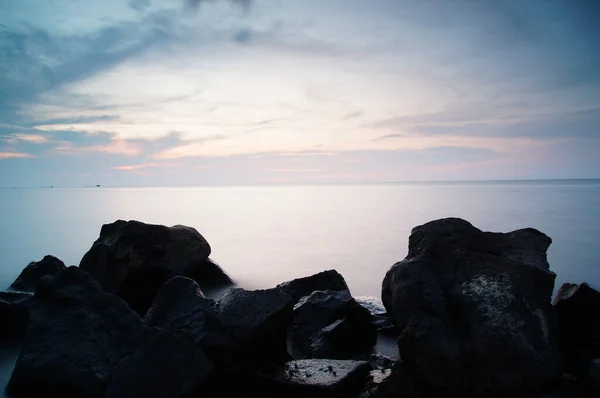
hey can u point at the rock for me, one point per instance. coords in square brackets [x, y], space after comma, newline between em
[181, 308]
[578, 311]
[14, 312]
[134, 260]
[326, 280]
[474, 309]
[315, 378]
[381, 319]
[76, 335]
[331, 324]
[163, 367]
[594, 372]
[394, 382]
[35, 270]
[257, 322]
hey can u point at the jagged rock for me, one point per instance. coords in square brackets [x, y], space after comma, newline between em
[381, 319]
[474, 309]
[182, 308]
[134, 260]
[394, 382]
[14, 312]
[256, 321]
[578, 311]
[163, 367]
[314, 378]
[331, 324]
[326, 280]
[75, 337]
[35, 270]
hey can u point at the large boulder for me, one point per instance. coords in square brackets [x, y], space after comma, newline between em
[14, 312]
[381, 319]
[326, 280]
[257, 322]
[164, 366]
[578, 311]
[182, 308]
[314, 378]
[331, 324]
[474, 309]
[76, 335]
[134, 260]
[31, 275]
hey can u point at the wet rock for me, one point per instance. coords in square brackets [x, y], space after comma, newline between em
[76, 335]
[315, 378]
[134, 260]
[578, 311]
[181, 308]
[381, 319]
[256, 321]
[163, 367]
[326, 280]
[31, 275]
[394, 382]
[14, 312]
[331, 324]
[474, 309]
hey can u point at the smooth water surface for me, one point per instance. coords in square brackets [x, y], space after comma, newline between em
[263, 235]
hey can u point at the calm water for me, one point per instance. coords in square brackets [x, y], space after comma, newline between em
[263, 235]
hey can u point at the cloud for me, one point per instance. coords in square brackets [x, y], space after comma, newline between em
[143, 166]
[115, 147]
[391, 136]
[15, 155]
[194, 5]
[30, 138]
[139, 5]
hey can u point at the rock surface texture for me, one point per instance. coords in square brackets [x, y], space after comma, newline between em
[134, 260]
[75, 336]
[331, 324]
[473, 309]
[29, 278]
[326, 280]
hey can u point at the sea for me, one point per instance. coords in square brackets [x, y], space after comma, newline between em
[266, 234]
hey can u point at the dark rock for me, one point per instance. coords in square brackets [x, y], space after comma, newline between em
[14, 312]
[314, 378]
[381, 319]
[331, 324]
[594, 372]
[578, 311]
[394, 382]
[163, 367]
[474, 309]
[256, 321]
[326, 280]
[35, 270]
[134, 260]
[75, 337]
[182, 308]
[379, 361]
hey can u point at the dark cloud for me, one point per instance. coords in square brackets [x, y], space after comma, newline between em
[194, 5]
[139, 5]
[243, 36]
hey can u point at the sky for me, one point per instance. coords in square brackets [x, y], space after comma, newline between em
[194, 92]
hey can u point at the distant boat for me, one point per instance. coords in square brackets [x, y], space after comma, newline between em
[51, 186]
[97, 185]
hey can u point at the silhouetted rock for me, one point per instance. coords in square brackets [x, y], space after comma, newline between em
[331, 324]
[182, 308]
[256, 321]
[134, 260]
[474, 309]
[578, 311]
[314, 378]
[75, 337]
[163, 367]
[14, 312]
[35, 270]
[326, 280]
[394, 382]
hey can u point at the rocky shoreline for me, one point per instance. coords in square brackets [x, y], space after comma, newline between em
[472, 313]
